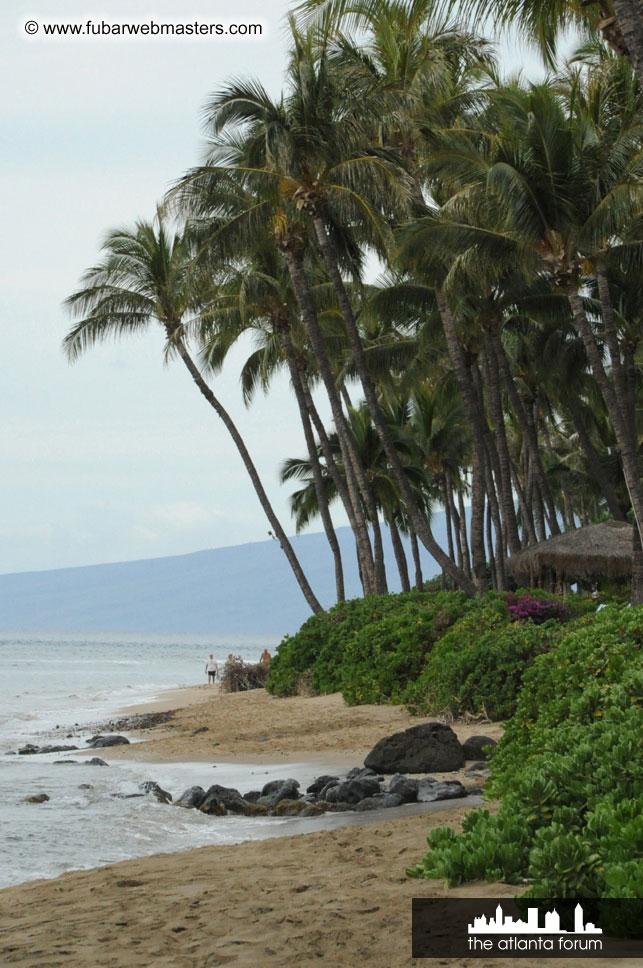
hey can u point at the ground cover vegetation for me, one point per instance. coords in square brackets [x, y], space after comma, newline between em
[492, 368]
[569, 772]
[437, 652]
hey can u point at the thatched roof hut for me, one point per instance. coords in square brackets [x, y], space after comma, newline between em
[596, 552]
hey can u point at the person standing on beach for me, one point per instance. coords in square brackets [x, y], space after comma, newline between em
[212, 669]
[265, 656]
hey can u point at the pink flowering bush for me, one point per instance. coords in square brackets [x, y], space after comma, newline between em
[525, 608]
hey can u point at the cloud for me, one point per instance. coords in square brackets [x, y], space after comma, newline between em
[185, 515]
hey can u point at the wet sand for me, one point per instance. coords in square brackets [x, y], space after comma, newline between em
[337, 897]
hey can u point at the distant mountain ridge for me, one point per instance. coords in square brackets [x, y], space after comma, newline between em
[244, 589]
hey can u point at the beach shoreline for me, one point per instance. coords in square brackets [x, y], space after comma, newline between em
[336, 897]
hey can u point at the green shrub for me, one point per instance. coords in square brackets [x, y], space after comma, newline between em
[319, 645]
[570, 771]
[478, 665]
[381, 658]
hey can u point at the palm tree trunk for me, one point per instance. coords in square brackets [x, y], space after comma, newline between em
[448, 519]
[495, 405]
[464, 380]
[492, 478]
[338, 479]
[611, 338]
[592, 458]
[417, 564]
[457, 525]
[400, 557]
[630, 19]
[525, 510]
[375, 566]
[530, 438]
[637, 568]
[309, 316]
[252, 472]
[318, 480]
[615, 407]
[420, 525]
[463, 534]
[490, 553]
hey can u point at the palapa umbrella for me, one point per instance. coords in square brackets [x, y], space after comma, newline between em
[593, 553]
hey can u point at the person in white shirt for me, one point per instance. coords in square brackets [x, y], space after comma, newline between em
[212, 669]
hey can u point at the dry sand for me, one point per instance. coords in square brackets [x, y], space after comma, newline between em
[335, 898]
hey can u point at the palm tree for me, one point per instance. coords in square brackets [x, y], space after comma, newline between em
[542, 21]
[148, 275]
[307, 153]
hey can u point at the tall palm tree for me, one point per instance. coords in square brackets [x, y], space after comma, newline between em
[147, 275]
[255, 296]
[308, 153]
[542, 21]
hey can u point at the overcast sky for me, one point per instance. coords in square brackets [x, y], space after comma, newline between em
[116, 457]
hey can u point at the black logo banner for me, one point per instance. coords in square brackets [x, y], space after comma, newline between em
[527, 928]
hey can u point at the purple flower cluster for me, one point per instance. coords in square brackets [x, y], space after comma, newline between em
[525, 608]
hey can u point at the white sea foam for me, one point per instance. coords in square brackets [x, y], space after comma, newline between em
[52, 683]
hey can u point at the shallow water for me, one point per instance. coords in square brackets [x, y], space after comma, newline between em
[52, 684]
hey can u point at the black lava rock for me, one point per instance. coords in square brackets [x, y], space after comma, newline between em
[429, 746]
[473, 748]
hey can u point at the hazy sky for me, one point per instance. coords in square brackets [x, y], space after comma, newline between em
[116, 457]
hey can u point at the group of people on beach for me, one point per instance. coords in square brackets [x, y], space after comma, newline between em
[212, 666]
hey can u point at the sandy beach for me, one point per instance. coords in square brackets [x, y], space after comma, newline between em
[337, 897]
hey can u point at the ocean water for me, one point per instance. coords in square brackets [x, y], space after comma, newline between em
[51, 684]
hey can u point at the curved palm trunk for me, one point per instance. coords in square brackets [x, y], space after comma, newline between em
[630, 19]
[593, 459]
[344, 431]
[417, 564]
[525, 510]
[466, 387]
[421, 526]
[309, 317]
[504, 459]
[448, 520]
[457, 525]
[463, 534]
[492, 479]
[324, 510]
[400, 557]
[530, 438]
[616, 408]
[611, 338]
[252, 473]
[337, 477]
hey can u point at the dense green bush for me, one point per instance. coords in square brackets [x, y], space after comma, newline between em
[383, 657]
[318, 647]
[570, 772]
[478, 665]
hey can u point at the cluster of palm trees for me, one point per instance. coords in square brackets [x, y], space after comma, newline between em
[497, 356]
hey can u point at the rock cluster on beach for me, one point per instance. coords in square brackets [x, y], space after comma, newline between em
[429, 746]
[96, 742]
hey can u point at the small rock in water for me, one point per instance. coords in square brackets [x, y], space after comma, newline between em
[191, 798]
[37, 798]
[151, 786]
[98, 742]
[96, 761]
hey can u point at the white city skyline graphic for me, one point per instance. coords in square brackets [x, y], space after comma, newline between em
[506, 925]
